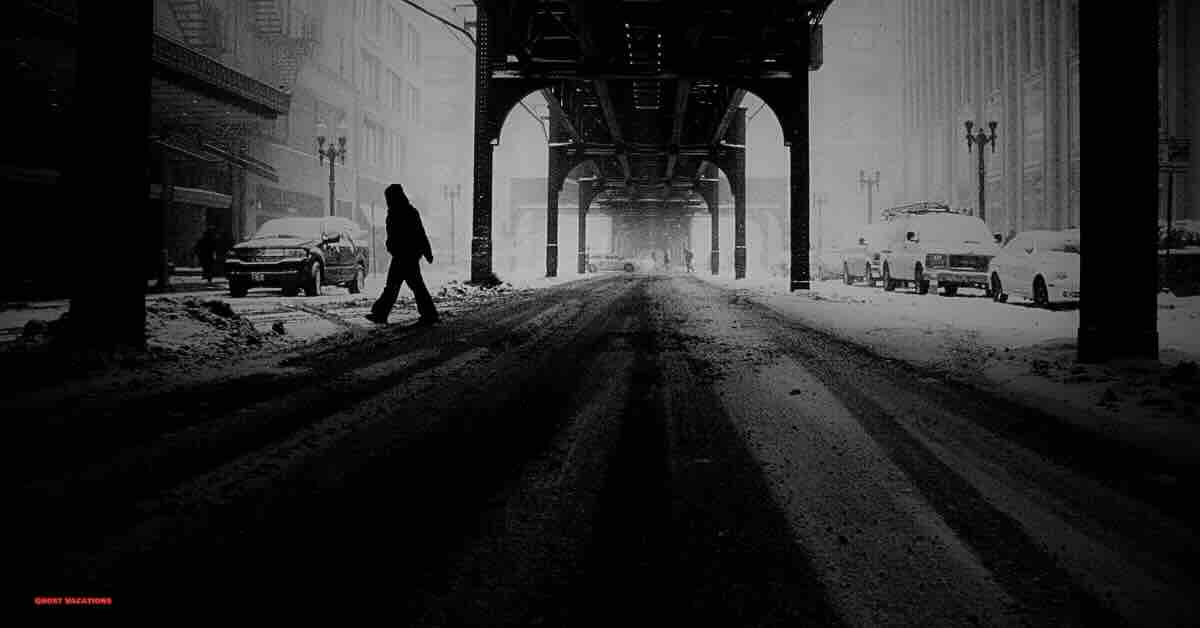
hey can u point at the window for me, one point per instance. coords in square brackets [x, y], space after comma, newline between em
[398, 146]
[372, 144]
[377, 16]
[414, 46]
[414, 104]
[397, 26]
[369, 78]
[397, 92]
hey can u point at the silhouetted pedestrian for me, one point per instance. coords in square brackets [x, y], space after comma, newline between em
[687, 258]
[205, 249]
[407, 243]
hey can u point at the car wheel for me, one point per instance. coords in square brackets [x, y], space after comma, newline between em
[629, 268]
[847, 278]
[868, 278]
[888, 284]
[238, 289]
[997, 290]
[919, 282]
[360, 280]
[1041, 296]
[949, 290]
[312, 287]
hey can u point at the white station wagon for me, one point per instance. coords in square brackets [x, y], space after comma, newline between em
[1039, 265]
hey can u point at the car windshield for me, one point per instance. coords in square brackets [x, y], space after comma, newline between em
[953, 228]
[301, 228]
[1061, 242]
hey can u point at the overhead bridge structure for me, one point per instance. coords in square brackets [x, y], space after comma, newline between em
[646, 96]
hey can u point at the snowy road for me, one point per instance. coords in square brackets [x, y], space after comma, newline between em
[643, 449]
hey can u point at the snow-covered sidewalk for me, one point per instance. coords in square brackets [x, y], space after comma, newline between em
[1018, 351]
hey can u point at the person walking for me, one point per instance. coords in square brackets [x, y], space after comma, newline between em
[687, 258]
[205, 249]
[407, 243]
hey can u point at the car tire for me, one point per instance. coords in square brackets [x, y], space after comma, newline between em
[312, 285]
[949, 291]
[1041, 296]
[920, 283]
[629, 268]
[847, 278]
[867, 277]
[357, 284]
[238, 289]
[997, 290]
[889, 284]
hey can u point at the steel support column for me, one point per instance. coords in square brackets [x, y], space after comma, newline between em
[553, 187]
[481, 218]
[1125, 327]
[713, 197]
[585, 201]
[737, 179]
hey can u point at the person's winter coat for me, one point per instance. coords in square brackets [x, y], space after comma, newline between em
[406, 236]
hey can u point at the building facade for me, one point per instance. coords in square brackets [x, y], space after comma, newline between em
[1013, 62]
[1179, 109]
[357, 69]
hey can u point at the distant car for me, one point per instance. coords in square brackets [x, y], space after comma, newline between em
[861, 256]
[1039, 265]
[945, 249]
[608, 262]
[825, 263]
[299, 253]
[1179, 257]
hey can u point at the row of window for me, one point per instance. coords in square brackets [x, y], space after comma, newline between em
[380, 16]
[381, 147]
[399, 95]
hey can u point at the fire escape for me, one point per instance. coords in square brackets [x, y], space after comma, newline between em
[293, 38]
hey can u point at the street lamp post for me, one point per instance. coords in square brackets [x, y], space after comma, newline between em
[819, 201]
[868, 183]
[332, 153]
[981, 139]
[451, 192]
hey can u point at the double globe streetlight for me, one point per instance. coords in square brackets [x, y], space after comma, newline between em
[332, 153]
[981, 139]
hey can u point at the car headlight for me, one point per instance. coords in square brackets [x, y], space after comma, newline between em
[934, 260]
[295, 252]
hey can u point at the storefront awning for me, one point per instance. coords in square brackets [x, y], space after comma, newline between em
[195, 196]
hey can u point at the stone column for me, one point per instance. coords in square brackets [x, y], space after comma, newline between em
[1053, 116]
[1192, 201]
[1014, 98]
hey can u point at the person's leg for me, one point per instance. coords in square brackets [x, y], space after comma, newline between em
[391, 289]
[416, 283]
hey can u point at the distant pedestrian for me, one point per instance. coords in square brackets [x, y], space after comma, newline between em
[687, 258]
[205, 250]
[666, 259]
[407, 243]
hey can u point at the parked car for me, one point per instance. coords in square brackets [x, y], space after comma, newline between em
[825, 263]
[940, 248]
[1038, 265]
[295, 253]
[608, 262]
[861, 258]
[1179, 257]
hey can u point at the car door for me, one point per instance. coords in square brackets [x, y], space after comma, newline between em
[335, 253]
[1022, 268]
